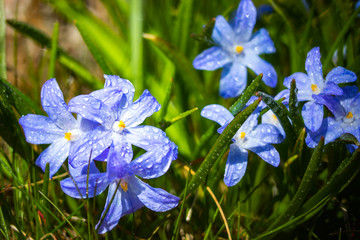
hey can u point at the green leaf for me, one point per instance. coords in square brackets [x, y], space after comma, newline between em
[281, 114]
[182, 24]
[4, 225]
[189, 74]
[294, 110]
[246, 95]
[166, 124]
[165, 104]
[340, 37]
[338, 181]
[222, 142]
[89, 41]
[64, 59]
[54, 44]
[306, 185]
[2, 41]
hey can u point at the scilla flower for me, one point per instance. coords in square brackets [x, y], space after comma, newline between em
[61, 130]
[127, 193]
[315, 91]
[346, 118]
[119, 120]
[250, 136]
[236, 49]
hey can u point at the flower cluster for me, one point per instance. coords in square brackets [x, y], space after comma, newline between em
[235, 49]
[107, 125]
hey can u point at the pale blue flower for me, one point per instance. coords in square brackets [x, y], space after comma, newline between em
[346, 118]
[315, 91]
[119, 120]
[236, 49]
[61, 130]
[250, 136]
[128, 192]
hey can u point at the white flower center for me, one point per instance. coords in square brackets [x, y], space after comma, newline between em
[118, 126]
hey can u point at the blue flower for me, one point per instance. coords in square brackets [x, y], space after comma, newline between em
[118, 118]
[61, 130]
[250, 136]
[126, 191]
[346, 118]
[237, 48]
[315, 91]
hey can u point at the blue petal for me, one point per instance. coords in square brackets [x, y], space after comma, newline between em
[86, 124]
[260, 42]
[83, 170]
[258, 65]
[312, 114]
[223, 34]
[123, 203]
[146, 137]
[120, 154]
[302, 81]
[266, 133]
[250, 123]
[244, 20]
[332, 103]
[110, 96]
[94, 183]
[348, 99]
[40, 129]
[93, 109]
[313, 67]
[268, 153]
[283, 94]
[125, 85]
[331, 88]
[233, 80]
[155, 199]
[211, 59]
[235, 165]
[217, 113]
[54, 105]
[330, 129]
[154, 163]
[270, 118]
[340, 75]
[93, 142]
[137, 112]
[351, 147]
[55, 155]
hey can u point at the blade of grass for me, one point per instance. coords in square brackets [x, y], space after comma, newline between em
[167, 124]
[177, 224]
[54, 44]
[306, 184]
[165, 105]
[89, 41]
[64, 59]
[2, 41]
[182, 24]
[4, 225]
[340, 38]
[61, 213]
[281, 114]
[246, 95]
[136, 42]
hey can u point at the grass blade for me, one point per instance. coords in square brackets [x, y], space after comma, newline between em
[54, 44]
[305, 185]
[281, 114]
[64, 58]
[246, 95]
[167, 124]
[136, 42]
[3, 225]
[2, 41]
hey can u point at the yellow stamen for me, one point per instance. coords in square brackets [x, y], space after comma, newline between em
[124, 185]
[121, 124]
[239, 49]
[274, 116]
[313, 87]
[68, 136]
[242, 134]
[349, 115]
